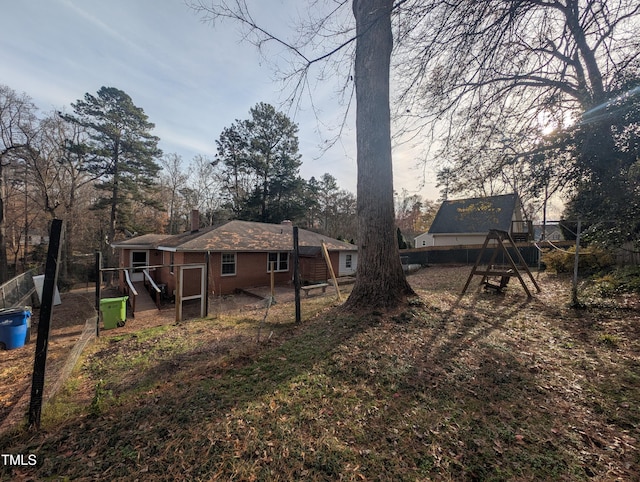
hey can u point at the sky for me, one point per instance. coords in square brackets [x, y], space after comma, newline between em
[190, 77]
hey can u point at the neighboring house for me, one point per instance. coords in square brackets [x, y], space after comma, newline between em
[553, 232]
[466, 222]
[36, 239]
[240, 254]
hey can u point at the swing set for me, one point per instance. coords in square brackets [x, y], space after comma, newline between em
[496, 276]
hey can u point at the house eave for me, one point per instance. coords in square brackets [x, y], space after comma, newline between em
[246, 250]
[133, 246]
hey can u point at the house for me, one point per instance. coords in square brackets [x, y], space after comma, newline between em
[241, 254]
[466, 222]
[552, 232]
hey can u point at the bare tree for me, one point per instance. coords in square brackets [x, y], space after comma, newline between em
[175, 179]
[17, 126]
[524, 58]
[21, 213]
[57, 166]
[472, 73]
[204, 191]
[380, 280]
[414, 214]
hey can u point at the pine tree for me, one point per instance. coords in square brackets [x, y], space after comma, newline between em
[123, 152]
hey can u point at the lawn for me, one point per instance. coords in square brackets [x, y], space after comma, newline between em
[480, 387]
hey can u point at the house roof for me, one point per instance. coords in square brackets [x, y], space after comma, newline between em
[475, 215]
[239, 236]
[145, 241]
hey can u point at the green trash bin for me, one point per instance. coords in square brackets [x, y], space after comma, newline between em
[114, 312]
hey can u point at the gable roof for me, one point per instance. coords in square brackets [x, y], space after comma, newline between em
[240, 236]
[475, 215]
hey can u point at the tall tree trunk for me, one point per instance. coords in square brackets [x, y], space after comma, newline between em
[380, 280]
[110, 257]
[4, 268]
[69, 233]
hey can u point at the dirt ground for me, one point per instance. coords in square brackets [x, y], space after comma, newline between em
[16, 366]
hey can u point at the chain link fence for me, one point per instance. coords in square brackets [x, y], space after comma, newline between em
[18, 291]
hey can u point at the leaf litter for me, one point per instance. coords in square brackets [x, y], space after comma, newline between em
[479, 387]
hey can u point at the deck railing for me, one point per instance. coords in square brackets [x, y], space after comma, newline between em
[152, 287]
[131, 291]
[522, 230]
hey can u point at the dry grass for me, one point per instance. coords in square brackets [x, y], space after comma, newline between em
[483, 387]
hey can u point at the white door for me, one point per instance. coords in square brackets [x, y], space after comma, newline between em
[348, 263]
[139, 261]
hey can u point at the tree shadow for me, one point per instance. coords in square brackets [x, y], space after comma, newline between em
[457, 383]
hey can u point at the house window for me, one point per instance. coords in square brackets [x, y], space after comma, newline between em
[228, 264]
[171, 262]
[347, 261]
[280, 260]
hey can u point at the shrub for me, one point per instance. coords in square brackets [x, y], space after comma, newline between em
[620, 280]
[592, 259]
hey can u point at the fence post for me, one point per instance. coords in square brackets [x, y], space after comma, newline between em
[296, 273]
[46, 310]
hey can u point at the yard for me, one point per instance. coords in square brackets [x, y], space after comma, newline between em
[483, 387]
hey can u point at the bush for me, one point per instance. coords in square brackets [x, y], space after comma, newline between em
[620, 280]
[592, 259]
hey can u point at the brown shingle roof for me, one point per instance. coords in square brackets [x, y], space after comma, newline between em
[145, 241]
[238, 236]
[252, 236]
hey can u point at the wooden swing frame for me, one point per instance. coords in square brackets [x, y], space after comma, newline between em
[505, 273]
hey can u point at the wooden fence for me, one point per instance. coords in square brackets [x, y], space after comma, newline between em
[628, 255]
[464, 254]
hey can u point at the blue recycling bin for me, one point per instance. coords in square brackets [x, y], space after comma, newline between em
[14, 327]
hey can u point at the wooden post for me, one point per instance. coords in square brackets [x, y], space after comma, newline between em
[574, 286]
[204, 295]
[98, 287]
[178, 294]
[333, 275]
[46, 311]
[272, 264]
[296, 273]
[478, 259]
[206, 284]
